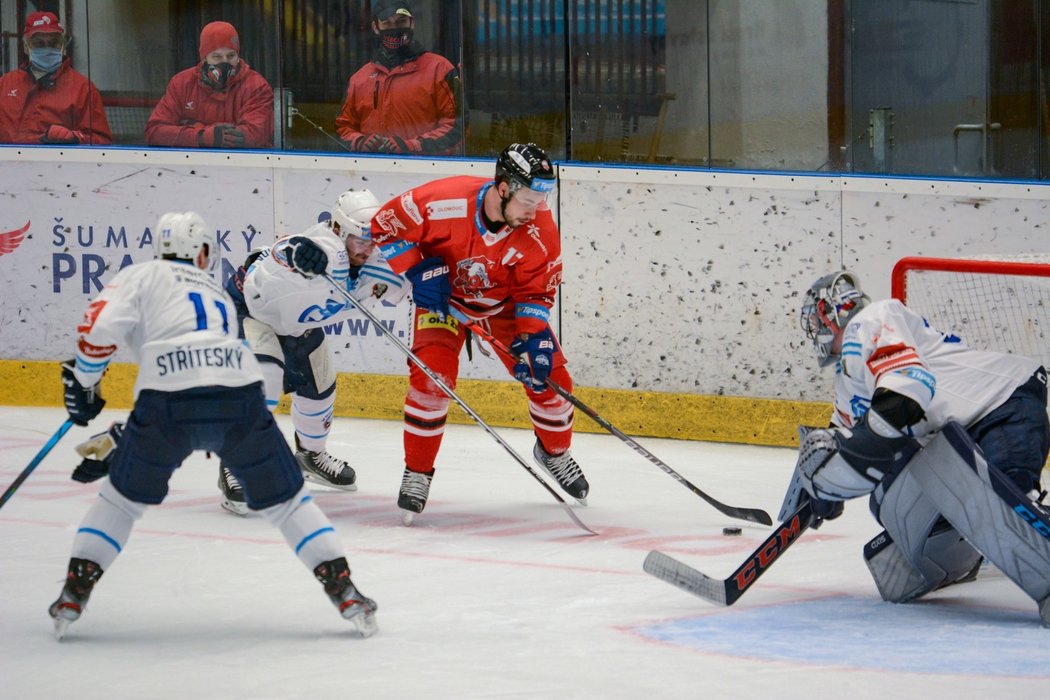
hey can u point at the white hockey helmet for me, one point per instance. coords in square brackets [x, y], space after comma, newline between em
[181, 235]
[830, 304]
[353, 212]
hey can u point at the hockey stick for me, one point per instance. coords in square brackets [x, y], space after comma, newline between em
[62, 429]
[726, 592]
[462, 404]
[754, 515]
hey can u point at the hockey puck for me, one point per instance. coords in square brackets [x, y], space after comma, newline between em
[731, 531]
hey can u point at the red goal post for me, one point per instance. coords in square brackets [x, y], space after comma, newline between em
[991, 304]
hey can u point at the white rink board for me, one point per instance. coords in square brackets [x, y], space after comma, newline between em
[675, 281]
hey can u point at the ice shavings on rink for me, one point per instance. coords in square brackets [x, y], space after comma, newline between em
[852, 632]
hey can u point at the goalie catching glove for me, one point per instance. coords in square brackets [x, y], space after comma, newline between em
[535, 355]
[98, 454]
[82, 403]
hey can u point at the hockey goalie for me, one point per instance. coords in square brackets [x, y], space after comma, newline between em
[947, 442]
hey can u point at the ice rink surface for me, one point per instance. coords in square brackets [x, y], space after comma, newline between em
[492, 593]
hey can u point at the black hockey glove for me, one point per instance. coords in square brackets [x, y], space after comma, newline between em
[98, 453]
[430, 287]
[306, 257]
[82, 403]
[535, 354]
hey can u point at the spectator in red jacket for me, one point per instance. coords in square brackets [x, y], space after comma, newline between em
[44, 100]
[405, 99]
[219, 103]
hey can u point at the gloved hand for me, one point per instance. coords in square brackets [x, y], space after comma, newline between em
[98, 454]
[535, 354]
[306, 257]
[220, 136]
[82, 403]
[56, 133]
[396, 144]
[373, 143]
[430, 286]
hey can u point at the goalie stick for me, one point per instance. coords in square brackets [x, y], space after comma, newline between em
[727, 591]
[753, 515]
[460, 402]
[62, 430]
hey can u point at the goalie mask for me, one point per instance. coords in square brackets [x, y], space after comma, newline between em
[830, 303]
[180, 236]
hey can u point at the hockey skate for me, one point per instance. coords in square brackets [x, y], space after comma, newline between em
[415, 489]
[324, 468]
[80, 579]
[564, 470]
[350, 602]
[232, 492]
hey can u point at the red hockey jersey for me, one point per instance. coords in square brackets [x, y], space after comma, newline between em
[517, 268]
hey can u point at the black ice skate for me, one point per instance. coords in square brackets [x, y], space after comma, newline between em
[232, 492]
[352, 605]
[80, 579]
[564, 470]
[323, 468]
[415, 489]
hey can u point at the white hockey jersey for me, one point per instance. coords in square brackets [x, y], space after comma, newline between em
[292, 304]
[888, 345]
[178, 323]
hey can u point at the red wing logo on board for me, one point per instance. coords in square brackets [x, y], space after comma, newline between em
[10, 240]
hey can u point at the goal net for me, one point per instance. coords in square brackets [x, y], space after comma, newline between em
[991, 304]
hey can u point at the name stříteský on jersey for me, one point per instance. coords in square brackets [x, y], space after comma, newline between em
[181, 360]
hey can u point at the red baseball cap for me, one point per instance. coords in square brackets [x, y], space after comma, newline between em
[42, 22]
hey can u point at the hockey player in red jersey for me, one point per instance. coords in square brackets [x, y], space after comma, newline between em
[488, 250]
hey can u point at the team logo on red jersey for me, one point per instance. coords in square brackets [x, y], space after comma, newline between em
[554, 269]
[10, 240]
[388, 221]
[472, 274]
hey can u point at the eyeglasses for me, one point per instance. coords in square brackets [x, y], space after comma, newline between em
[46, 40]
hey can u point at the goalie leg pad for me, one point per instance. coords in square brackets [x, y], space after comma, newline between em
[922, 548]
[987, 508]
[895, 577]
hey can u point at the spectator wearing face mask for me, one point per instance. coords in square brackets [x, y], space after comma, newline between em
[405, 99]
[219, 103]
[44, 100]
